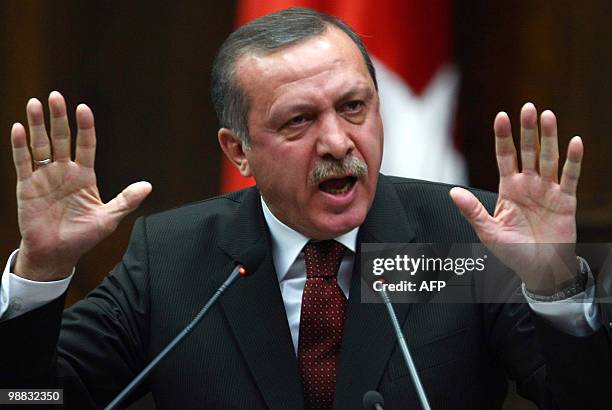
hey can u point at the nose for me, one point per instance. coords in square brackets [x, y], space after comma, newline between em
[334, 139]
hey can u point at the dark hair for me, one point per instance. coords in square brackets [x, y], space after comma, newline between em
[265, 34]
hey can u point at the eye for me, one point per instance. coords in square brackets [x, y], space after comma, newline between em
[297, 120]
[296, 125]
[354, 111]
[352, 107]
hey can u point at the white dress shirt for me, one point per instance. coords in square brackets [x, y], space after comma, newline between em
[19, 295]
[288, 257]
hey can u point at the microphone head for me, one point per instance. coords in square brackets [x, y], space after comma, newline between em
[252, 258]
[371, 399]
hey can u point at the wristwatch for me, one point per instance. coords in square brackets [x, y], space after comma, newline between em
[575, 288]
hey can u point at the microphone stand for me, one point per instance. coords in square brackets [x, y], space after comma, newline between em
[238, 271]
[405, 352]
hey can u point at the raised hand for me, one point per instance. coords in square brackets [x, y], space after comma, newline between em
[61, 215]
[533, 207]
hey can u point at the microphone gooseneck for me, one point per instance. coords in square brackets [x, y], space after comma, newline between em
[405, 352]
[248, 262]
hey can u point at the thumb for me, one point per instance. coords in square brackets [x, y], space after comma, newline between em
[472, 209]
[128, 200]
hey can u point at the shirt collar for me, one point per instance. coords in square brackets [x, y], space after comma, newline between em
[288, 243]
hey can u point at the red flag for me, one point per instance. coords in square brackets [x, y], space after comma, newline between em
[411, 45]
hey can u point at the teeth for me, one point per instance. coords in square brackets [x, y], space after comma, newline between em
[342, 190]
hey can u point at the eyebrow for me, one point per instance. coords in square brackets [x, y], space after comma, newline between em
[307, 106]
[277, 114]
[359, 88]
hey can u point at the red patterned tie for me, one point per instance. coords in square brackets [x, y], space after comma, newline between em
[321, 322]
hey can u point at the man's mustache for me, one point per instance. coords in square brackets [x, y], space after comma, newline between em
[337, 168]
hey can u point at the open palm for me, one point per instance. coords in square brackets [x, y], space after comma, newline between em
[535, 213]
[61, 215]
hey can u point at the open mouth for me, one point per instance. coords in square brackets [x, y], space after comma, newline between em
[338, 186]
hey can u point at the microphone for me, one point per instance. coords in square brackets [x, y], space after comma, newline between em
[252, 258]
[405, 352]
[373, 400]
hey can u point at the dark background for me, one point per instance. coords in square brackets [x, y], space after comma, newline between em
[143, 67]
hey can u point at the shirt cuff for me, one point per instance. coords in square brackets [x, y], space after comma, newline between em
[19, 295]
[577, 315]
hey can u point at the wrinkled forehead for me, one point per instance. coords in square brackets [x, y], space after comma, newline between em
[261, 73]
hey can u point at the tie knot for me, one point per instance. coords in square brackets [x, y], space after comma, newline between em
[323, 258]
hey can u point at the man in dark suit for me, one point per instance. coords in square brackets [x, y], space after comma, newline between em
[299, 109]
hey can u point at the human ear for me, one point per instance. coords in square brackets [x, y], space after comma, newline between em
[233, 147]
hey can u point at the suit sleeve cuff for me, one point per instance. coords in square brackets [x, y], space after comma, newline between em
[19, 295]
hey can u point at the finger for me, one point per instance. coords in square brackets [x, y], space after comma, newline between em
[530, 140]
[86, 137]
[571, 168]
[41, 149]
[124, 203]
[549, 152]
[504, 146]
[473, 210]
[21, 153]
[60, 130]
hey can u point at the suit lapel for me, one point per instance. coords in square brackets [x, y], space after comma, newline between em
[368, 339]
[256, 314]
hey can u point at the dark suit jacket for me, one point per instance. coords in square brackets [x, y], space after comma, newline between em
[241, 355]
